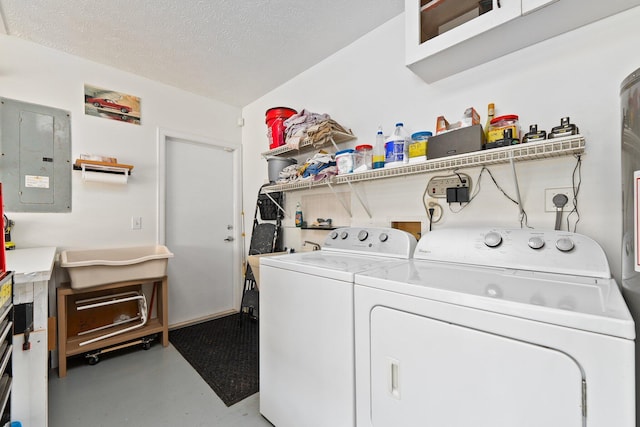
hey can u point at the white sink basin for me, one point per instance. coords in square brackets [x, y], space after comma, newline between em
[93, 267]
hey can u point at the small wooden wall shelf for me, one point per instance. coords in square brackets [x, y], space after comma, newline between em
[68, 338]
[101, 166]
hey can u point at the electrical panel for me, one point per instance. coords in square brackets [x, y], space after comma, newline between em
[35, 165]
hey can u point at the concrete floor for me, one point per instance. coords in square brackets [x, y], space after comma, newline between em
[142, 388]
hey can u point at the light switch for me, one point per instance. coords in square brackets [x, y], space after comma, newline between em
[136, 222]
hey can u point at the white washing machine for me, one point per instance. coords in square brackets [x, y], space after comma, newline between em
[307, 374]
[494, 328]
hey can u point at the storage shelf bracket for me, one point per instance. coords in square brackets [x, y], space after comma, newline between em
[362, 203]
[344, 205]
[333, 142]
[276, 203]
[515, 181]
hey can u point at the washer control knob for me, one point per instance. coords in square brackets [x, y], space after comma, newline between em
[492, 239]
[333, 235]
[537, 299]
[383, 237]
[344, 235]
[362, 235]
[567, 303]
[565, 244]
[536, 242]
[494, 291]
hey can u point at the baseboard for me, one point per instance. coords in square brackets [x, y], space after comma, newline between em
[203, 319]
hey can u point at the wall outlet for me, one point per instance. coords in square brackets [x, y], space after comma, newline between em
[437, 186]
[136, 222]
[549, 193]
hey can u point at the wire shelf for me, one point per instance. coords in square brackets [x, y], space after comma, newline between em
[308, 144]
[547, 148]
[529, 151]
[297, 185]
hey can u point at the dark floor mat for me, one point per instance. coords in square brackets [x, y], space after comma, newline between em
[224, 352]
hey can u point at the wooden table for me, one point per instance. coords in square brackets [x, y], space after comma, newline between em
[69, 343]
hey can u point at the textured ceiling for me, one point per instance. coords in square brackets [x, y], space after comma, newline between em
[231, 50]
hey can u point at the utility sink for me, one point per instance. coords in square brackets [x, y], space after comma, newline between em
[94, 267]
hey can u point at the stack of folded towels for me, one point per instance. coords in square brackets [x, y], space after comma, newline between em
[316, 128]
[312, 126]
[322, 165]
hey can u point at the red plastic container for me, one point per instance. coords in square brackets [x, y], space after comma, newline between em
[275, 118]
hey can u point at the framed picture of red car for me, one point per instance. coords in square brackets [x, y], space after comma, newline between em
[110, 104]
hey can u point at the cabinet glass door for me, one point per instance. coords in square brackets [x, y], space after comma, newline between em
[439, 16]
[448, 17]
[434, 26]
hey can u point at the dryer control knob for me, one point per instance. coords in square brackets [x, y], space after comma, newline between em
[333, 235]
[536, 242]
[565, 244]
[362, 235]
[492, 239]
[344, 235]
[383, 237]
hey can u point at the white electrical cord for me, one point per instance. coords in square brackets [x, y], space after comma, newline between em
[515, 182]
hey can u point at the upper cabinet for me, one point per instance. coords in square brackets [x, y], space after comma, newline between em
[531, 5]
[444, 37]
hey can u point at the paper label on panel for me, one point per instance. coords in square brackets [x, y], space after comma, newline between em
[33, 181]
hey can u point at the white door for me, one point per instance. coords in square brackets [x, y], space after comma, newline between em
[200, 229]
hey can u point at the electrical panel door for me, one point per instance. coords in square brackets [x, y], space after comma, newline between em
[35, 166]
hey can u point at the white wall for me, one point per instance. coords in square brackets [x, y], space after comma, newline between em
[366, 84]
[101, 213]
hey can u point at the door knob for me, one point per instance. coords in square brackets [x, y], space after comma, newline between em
[229, 239]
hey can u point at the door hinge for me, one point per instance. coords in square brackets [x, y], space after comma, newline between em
[584, 399]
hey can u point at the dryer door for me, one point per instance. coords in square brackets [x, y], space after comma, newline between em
[425, 372]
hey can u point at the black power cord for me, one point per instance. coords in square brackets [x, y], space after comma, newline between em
[576, 176]
[431, 211]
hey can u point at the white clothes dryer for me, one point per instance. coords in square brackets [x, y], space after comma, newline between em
[307, 373]
[494, 328]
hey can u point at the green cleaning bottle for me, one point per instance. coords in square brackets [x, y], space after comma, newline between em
[298, 215]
